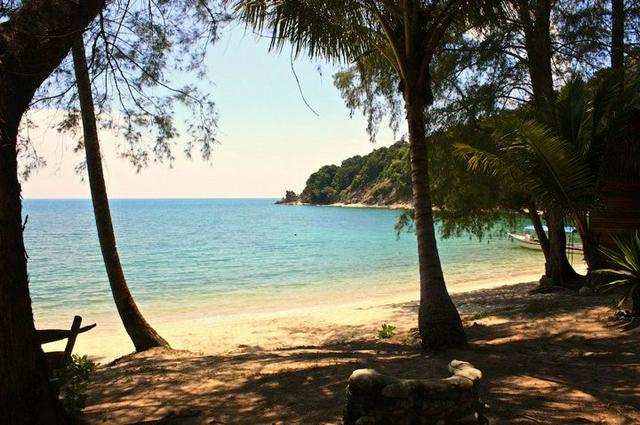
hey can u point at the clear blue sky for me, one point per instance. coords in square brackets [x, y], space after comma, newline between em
[270, 141]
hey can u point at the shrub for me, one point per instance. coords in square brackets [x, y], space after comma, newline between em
[624, 271]
[74, 379]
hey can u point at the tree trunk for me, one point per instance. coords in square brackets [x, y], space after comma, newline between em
[141, 333]
[438, 319]
[558, 267]
[25, 394]
[542, 236]
[536, 25]
[538, 46]
[33, 42]
[590, 246]
[617, 34]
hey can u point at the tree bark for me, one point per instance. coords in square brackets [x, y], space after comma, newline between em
[32, 43]
[141, 333]
[558, 268]
[538, 47]
[439, 323]
[542, 236]
[617, 34]
[590, 246]
[25, 394]
[536, 25]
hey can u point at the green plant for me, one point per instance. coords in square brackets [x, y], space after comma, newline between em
[74, 379]
[624, 270]
[386, 331]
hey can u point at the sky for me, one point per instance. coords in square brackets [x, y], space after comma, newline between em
[269, 140]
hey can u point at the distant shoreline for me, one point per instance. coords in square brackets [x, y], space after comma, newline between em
[394, 206]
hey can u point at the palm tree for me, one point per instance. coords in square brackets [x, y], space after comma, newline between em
[141, 333]
[524, 26]
[563, 165]
[549, 167]
[407, 35]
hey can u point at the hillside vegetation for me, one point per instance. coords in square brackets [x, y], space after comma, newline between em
[379, 178]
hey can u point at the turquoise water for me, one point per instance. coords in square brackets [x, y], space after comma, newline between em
[178, 253]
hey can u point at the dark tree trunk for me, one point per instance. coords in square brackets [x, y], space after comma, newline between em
[141, 333]
[32, 43]
[590, 246]
[558, 267]
[536, 28]
[617, 34]
[535, 18]
[542, 236]
[25, 393]
[438, 319]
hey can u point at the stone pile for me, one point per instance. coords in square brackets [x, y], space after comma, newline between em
[377, 399]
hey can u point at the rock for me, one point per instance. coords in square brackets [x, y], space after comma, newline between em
[368, 380]
[290, 197]
[465, 370]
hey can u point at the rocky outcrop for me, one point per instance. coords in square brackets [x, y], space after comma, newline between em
[290, 197]
[377, 399]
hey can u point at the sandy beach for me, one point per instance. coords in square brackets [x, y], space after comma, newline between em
[309, 318]
[288, 363]
[538, 353]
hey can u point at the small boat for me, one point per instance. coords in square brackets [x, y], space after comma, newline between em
[529, 241]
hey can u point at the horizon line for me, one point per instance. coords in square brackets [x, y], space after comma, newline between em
[169, 198]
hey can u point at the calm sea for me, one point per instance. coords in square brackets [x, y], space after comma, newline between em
[229, 253]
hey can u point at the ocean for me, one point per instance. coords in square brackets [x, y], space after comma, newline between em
[238, 255]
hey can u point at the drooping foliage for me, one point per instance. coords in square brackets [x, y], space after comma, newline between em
[146, 61]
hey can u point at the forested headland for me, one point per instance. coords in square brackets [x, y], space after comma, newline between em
[379, 178]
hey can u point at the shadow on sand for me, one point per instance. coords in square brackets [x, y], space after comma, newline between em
[546, 360]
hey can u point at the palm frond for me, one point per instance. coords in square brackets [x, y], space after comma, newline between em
[480, 160]
[625, 268]
[629, 250]
[615, 272]
[331, 29]
[570, 113]
[556, 172]
[610, 286]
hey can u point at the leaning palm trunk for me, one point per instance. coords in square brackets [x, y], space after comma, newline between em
[439, 323]
[141, 333]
